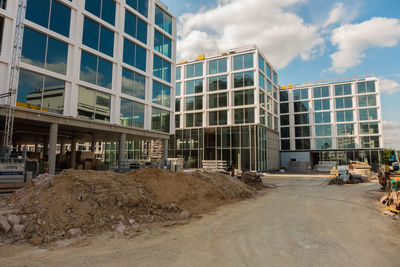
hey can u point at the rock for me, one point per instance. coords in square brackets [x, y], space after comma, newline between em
[4, 225]
[14, 219]
[75, 232]
[36, 241]
[121, 228]
[18, 230]
[184, 214]
[131, 221]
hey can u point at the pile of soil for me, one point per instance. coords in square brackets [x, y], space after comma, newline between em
[76, 203]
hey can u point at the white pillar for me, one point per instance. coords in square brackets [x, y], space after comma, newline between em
[53, 148]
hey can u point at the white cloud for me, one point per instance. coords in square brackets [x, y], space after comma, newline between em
[353, 39]
[280, 34]
[337, 14]
[389, 86]
[391, 134]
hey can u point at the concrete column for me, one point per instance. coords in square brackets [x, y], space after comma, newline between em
[53, 148]
[166, 148]
[73, 153]
[122, 141]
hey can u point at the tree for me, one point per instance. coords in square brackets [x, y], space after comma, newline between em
[387, 153]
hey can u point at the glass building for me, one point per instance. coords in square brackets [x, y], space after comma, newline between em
[107, 61]
[227, 108]
[337, 120]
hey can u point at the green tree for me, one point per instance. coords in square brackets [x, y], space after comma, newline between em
[387, 153]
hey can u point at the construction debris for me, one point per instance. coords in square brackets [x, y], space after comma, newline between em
[251, 178]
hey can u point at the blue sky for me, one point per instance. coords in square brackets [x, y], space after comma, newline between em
[306, 40]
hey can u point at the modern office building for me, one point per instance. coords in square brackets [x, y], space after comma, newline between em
[97, 70]
[337, 120]
[227, 108]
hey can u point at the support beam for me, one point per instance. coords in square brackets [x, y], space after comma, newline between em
[165, 151]
[53, 148]
[73, 153]
[122, 141]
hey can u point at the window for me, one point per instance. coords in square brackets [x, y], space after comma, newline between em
[163, 20]
[262, 99]
[320, 92]
[367, 101]
[104, 9]
[98, 37]
[244, 115]
[369, 128]
[194, 87]
[261, 81]
[50, 14]
[1, 32]
[323, 143]
[323, 104]
[34, 51]
[132, 114]
[162, 69]
[177, 104]
[134, 55]
[276, 108]
[345, 129]
[3, 4]
[243, 79]
[301, 119]
[218, 83]
[285, 145]
[269, 121]
[96, 70]
[218, 100]
[160, 120]
[194, 103]
[178, 73]
[245, 97]
[303, 144]
[301, 106]
[161, 94]
[262, 116]
[368, 114]
[243, 62]
[275, 80]
[370, 142]
[276, 125]
[269, 86]
[39, 92]
[141, 6]
[285, 132]
[322, 117]
[194, 119]
[269, 104]
[218, 117]
[133, 84]
[345, 115]
[284, 96]
[300, 94]
[177, 121]
[346, 142]
[303, 131]
[217, 66]
[366, 87]
[285, 120]
[323, 130]
[94, 105]
[343, 89]
[137, 28]
[268, 71]
[285, 108]
[344, 102]
[194, 70]
[162, 44]
[178, 89]
[261, 64]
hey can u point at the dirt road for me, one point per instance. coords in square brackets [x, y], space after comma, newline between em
[302, 222]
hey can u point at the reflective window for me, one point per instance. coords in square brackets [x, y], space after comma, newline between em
[323, 143]
[178, 89]
[177, 121]
[323, 104]
[320, 92]
[275, 80]
[161, 94]
[344, 102]
[135, 27]
[133, 84]
[194, 87]
[163, 20]
[301, 119]
[368, 114]
[243, 79]
[302, 131]
[104, 9]
[244, 115]
[261, 81]
[285, 120]
[366, 87]
[34, 51]
[98, 37]
[141, 6]
[345, 129]
[245, 97]
[243, 62]
[268, 70]
[96, 70]
[285, 145]
[301, 106]
[50, 14]
[303, 144]
[162, 69]
[218, 100]
[261, 64]
[39, 92]
[132, 113]
[194, 103]
[367, 101]
[162, 44]
[3, 4]
[300, 94]
[134, 55]
[285, 132]
[178, 73]
[323, 130]
[194, 70]
[345, 115]
[262, 116]
[217, 66]
[370, 142]
[94, 105]
[218, 83]
[269, 86]
[262, 99]
[369, 128]
[343, 89]
[177, 104]
[194, 119]
[218, 117]
[284, 108]
[160, 120]
[346, 142]
[284, 96]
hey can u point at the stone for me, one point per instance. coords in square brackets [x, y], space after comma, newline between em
[4, 225]
[121, 228]
[184, 214]
[18, 230]
[14, 219]
[131, 221]
[75, 232]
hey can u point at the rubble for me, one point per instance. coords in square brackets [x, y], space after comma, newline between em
[4, 225]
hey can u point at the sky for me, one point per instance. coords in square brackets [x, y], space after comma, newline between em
[306, 40]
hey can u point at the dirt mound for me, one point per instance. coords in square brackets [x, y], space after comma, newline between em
[88, 202]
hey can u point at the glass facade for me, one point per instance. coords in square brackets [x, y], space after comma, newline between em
[218, 66]
[140, 6]
[194, 87]
[137, 28]
[162, 68]
[132, 113]
[162, 44]
[96, 70]
[218, 83]
[243, 79]
[366, 87]
[104, 9]
[161, 94]
[163, 20]
[98, 37]
[133, 84]
[194, 70]
[94, 105]
[160, 120]
[135, 55]
[243, 62]
[343, 89]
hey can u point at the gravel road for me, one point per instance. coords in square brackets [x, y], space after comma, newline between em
[302, 222]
